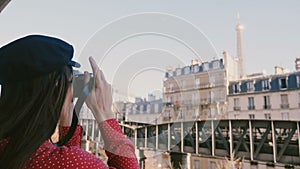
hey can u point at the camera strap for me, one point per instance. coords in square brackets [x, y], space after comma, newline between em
[81, 99]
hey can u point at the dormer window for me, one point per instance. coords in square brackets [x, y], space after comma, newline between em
[216, 64]
[186, 70]
[196, 68]
[171, 86]
[178, 72]
[265, 84]
[236, 88]
[250, 86]
[283, 83]
[205, 66]
[298, 80]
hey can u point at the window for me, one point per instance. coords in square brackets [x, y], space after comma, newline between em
[134, 109]
[212, 165]
[171, 86]
[212, 80]
[250, 86]
[197, 82]
[283, 83]
[196, 113]
[285, 116]
[129, 109]
[251, 116]
[265, 84]
[167, 115]
[195, 98]
[187, 70]
[212, 112]
[236, 104]
[267, 116]
[251, 105]
[216, 64]
[284, 101]
[141, 107]
[196, 164]
[181, 115]
[235, 88]
[148, 108]
[236, 116]
[205, 66]
[183, 82]
[298, 80]
[156, 106]
[267, 102]
[171, 99]
[299, 99]
[178, 72]
[182, 98]
[212, 96]
[196, 68]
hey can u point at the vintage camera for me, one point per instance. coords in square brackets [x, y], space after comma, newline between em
[78, 84]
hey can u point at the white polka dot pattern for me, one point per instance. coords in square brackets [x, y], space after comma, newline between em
[120, 151]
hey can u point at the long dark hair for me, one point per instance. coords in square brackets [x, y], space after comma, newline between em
[29, 113]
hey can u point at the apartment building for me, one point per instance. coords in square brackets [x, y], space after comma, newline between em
[197, 91]
[275, 97]
[141, 110]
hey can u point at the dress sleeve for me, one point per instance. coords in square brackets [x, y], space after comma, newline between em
[76, 138]
[119, 149]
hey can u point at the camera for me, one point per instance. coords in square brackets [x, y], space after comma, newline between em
[78, 84]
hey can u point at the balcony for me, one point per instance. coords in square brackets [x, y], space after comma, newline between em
[236, 108]
[267, 106]
[167, 118]
[251, 107]
[265, 88]
[284, 106]
[205, 101]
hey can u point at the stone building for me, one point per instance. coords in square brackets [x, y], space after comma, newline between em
[275, 97]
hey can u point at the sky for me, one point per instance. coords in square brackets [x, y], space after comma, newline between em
[183, 30]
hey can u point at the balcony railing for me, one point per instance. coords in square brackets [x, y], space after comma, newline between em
[284, 106]
[251, 107]
[191, 87]
[236, 108]
[267, 107]
[167, 118]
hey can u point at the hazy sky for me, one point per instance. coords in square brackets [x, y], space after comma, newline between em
[271, 35]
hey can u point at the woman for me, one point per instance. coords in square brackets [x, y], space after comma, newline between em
[37, 94]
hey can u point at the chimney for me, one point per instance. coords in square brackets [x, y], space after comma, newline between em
[279, 70]
[297, 64]
[151, 97]
[195, 62]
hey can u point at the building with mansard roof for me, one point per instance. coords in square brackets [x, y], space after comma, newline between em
[197, 91]
[275, 97]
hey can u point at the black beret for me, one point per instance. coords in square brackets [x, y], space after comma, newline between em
[34, 56]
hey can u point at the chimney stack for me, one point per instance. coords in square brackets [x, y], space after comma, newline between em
[279, 70]
[297, 64]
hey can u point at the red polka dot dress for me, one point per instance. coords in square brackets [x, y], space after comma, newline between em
[120, 151]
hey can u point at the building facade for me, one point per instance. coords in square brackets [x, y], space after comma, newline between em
[275, 97]
[197, 91]
[141, 110]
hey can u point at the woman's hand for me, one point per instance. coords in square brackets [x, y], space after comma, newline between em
[99, 101]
